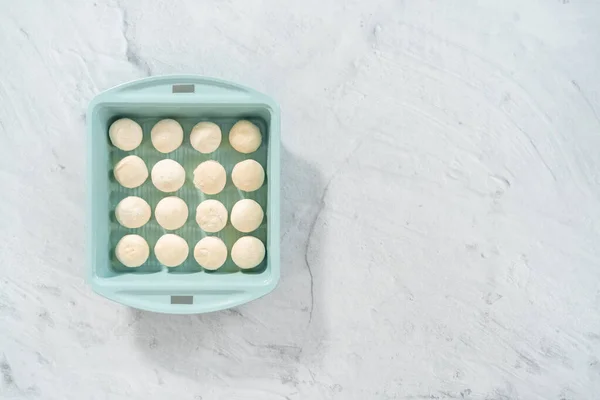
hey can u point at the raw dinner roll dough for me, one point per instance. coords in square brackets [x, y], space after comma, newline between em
[248, 175]
[205, 137]
[210, 177]
[246, 215]
[167, 135]
[133, 212]
[171, 212]
[210, 253]
[248, 252]
[168, 176]
[211, 215]
[125, 134]
[132, 250]
[245, 137]
[131, 172]
[171, 250]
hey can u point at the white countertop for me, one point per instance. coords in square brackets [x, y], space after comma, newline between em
[441, 201]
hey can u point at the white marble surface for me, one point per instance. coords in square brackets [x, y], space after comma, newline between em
[440, 224]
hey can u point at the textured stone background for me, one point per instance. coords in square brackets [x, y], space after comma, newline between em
[440, 224]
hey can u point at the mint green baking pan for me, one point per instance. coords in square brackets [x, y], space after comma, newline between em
[189, 99]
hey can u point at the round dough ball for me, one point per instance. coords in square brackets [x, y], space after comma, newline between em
[132, 250]
[168, 175]
[248, 175]
[166, 135]
[246, 215]
[206, 137]
[210, 177]
[131, 172]
[125, 134]
[171, 212]
[171, 250]
[248, 252]
[210, 253]
[133, 212]
[211, 215]
[245, 137]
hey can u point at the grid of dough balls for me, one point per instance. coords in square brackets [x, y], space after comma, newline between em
[172, 212]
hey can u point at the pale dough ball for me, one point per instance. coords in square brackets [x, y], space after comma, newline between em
[131, 172]
[133, 212]
[248, 252]
[166, 135]
[205, 137]
[210, 253]
[171, 250]
[132, 250]
[246, 215]
[210, 177]
[171, 212]
[211, 215]
[248, 175]
[245, 137]
[168, 175]
[125, 134]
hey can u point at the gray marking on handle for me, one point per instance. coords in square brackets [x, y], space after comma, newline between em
[182, 299]
[184, 88]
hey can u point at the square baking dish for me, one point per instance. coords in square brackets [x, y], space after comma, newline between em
[188, 99]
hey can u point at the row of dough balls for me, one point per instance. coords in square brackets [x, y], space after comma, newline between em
[172, 213]
[169, 176]
[172, 250]
[167, 136]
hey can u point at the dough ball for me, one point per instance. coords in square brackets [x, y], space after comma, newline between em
[171, 250]
[168, 175]
[211, 215]
[131, 172]
[125, 134]
[132, 250]
[248, 175]
[246, 215]
[210, 253]
[210, 177]
[166, 135]
[133, 212]
[171, 212]
[245, 137]
[248, 252]
[205, 137]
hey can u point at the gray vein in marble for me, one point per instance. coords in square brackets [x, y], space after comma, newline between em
[6, 371]
[587, 101]
[131, 50]
[311, 229]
